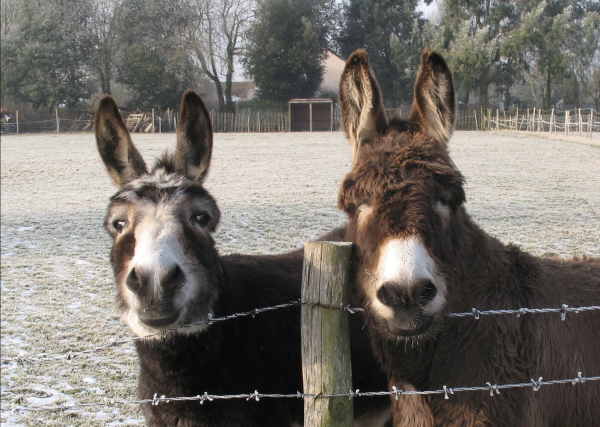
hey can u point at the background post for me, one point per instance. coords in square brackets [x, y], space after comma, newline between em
[326, 334]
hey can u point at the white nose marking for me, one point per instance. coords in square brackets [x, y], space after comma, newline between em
[405, 262]
[157, 249]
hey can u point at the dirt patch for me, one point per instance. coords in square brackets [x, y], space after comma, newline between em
[275, 191]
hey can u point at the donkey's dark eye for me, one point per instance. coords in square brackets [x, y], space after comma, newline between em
[442, 201]
[200, 219]
[119, 224]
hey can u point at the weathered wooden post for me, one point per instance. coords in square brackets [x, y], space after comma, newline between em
[567, 124]
[326, 334]
[551, 122]
[17, 122]
[57, 120]
[497, 119]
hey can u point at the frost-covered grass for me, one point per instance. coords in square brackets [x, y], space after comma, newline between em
[275, 192]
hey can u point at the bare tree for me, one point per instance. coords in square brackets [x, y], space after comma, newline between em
[584, 53]
[103, 31]
[8, 12]
[216, 41]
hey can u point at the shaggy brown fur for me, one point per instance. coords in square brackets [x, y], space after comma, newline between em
[404, 184]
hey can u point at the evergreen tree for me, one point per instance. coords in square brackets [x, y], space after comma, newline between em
[476, 39]
[390, 31]
[286, 47]
[154, 62]
[44, 56]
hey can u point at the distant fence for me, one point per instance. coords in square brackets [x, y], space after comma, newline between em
[250, 122]
[580, 122]
[255, 121]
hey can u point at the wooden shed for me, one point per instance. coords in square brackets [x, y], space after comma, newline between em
[312, 114]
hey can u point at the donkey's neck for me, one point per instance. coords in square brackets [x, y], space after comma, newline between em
[489, 272]
[210, 361]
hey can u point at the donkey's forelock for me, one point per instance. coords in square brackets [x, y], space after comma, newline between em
[383, 172]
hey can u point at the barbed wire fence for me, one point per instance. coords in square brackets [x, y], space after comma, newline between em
[493, 389]
[476, 314]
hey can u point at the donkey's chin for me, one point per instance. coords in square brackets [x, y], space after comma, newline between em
[178, 322]
[409, 326]
[160, 321]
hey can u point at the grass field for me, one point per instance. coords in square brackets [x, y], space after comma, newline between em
[275, 192]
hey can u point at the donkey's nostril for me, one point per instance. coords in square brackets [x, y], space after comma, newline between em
[392, 295]
[133, 281]
[174, 278]
[428, 292]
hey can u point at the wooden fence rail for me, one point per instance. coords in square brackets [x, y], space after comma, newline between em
[580, 122]
[250, 122]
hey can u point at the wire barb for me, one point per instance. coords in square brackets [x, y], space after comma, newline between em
[493, 389]
[254, 396]
[447, 391]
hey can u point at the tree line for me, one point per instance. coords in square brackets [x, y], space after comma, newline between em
[518, 52]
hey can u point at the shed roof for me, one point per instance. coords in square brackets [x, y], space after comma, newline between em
[311, 101]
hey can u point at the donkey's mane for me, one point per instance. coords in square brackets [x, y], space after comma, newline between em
[167, 162]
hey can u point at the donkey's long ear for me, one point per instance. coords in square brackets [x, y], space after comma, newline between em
[194, 137]
[434, 107]
[121, 158]
[360, 101]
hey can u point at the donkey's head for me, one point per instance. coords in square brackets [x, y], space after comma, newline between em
[401, 196]
[164, 259]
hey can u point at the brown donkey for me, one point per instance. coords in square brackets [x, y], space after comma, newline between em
[420, 257]
[168, 273]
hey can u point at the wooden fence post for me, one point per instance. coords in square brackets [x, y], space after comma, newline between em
[57, 120]
[497, 119]
[17, 122]
[326, 334]
[551, 122]
[580, 122]
[476, 125]
[567, 122]
[591, 122]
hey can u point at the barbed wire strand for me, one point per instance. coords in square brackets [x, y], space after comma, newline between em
[493, 389]
[70, 355]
